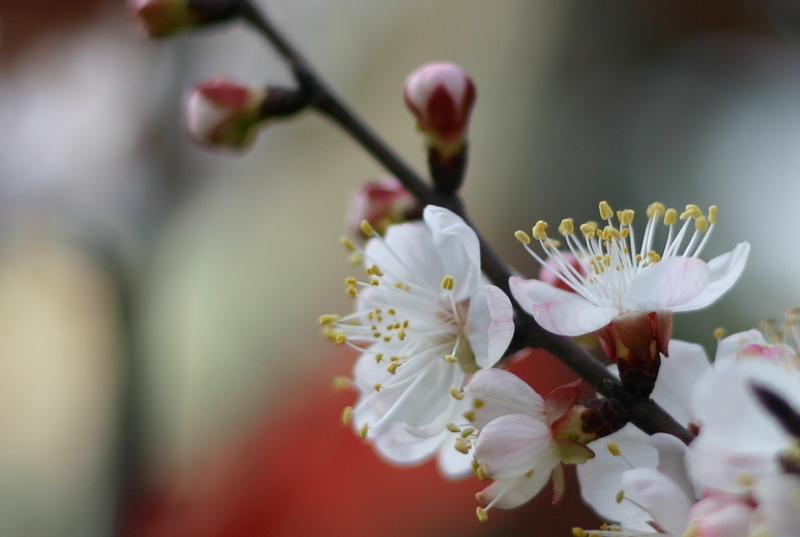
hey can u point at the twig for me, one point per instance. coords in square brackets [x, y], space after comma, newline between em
[646, 414]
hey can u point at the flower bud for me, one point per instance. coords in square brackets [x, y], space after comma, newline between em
[381, 203]
[441, 96]
[223, 113]
[163, 18]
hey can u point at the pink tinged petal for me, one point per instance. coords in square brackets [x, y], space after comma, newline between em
[560, 400]
[729, 347]
[668, 284]
[558, 311]
[457, 247]
[503, 393]
[510, 493]
[490, 324]
[720, 516]
[677, 377]
[512, 445]
[724, 272]
[660, 496]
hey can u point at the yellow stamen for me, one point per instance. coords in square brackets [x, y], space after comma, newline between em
[567, 227]
[363, 431]
[613, 448]
[367, 229]
[348, 244]
[712, 214]
[483, 516]
[626, 217]
[606, 211]
[522, 237]
[448, 282]
[347, 415]
[670, 217]
[328, 319]
[701, 224]
[692, 211]
[453, 428]
[620, 496]
[457, 393]
[654, 210]
[342, 382]
[719, 333]
[539, 231]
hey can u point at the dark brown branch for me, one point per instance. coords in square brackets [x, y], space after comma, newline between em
[646, 414]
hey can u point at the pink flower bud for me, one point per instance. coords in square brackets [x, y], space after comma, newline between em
[441, 96]
[162, 18]
[381, 203]
[223, 113]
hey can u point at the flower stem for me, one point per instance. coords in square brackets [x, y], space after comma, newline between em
[647, 415]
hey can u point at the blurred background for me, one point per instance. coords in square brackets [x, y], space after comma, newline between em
[163, 373]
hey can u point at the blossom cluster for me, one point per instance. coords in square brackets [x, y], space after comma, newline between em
[431, 333]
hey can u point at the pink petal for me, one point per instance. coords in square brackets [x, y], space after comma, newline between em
[561, 399]
[558, 311]
[490, 324]
[513, 445]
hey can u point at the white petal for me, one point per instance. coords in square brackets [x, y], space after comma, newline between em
[725, 271]
[510, 493]
[490, 324]
[451, 463]
[672, 461]
[457, 247]
[676, 379]
[512, 445]
[557, 311]
[408, 254]
[503, 393]
[667, 284]
[601, 478]
[728, 348]
[660, 496]
[393, 447]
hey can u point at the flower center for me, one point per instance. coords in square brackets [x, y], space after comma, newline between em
[610, 256]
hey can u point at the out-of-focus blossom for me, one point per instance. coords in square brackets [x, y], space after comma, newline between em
[423, 322]
[381, 203]
[621, 276]
[441, 97]
[162, 18]
[224, 113]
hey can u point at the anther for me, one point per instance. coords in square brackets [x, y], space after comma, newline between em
[567, 227]
[620, 496]
[367, 229]
[348, 244]
[626, 217]
[481, 471]
[457, 393]
[589, 229]
[350, 281]
[376, 270]
[701, 224]
[539, 231]
[719, 333]
[692, 211]
[379, 357]
[378, 387]
[453, 428]
[347, 415]
[467, 432]
[462, 445]
[450, 358]
[478, 403]
[483, 516]
[670, 217]
[363, 431]
[469, 415]
[655, 210]
[392, 367]
[605, 210]
[712, 214]
[342, 382]
[578, 532]
[522, 237]
[448, 282]
[340, 337]
[613, 448]
[328, 319]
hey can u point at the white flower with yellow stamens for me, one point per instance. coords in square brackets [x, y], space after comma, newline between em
[423, 322]
[622, 276]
